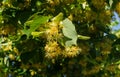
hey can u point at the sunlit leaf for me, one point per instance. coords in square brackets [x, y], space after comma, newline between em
[118, 62]
[36, 34]
[34, 24]
[69, 32]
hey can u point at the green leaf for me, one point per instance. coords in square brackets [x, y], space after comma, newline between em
[36, 34]
[69, 32]
[35, 23]
[118, 62]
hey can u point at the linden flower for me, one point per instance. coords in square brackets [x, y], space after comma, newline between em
[98, 58]
[83, 63]
[106, 47]
[52, 49]
[95, 69]
[7, 46]
[16, 50]
[53, 24]
[85, 72]
[71, 51]
[52, 32]
[106, 52]
[111, 68]
[98, 3]
[119, 66]
[53, 2]
[51, 46]
[12, 57]
[117, 7]
[32, 72]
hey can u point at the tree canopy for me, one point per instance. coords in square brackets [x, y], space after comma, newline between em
[59, 38]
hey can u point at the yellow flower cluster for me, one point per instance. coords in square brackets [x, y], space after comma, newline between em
[111, 68]
[84, 49]
[6, 46]
[99, 4]
[105, 16]
[54, 46]
[52, 34]
[53, 2]
[106, 47]
[71, 51]
[83, 63]
[57, 2]
[92, 71]
[118, 8]
[33, 72]
[52, 31]
[52, 49]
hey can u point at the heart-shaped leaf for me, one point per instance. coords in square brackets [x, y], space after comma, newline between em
[69, 32]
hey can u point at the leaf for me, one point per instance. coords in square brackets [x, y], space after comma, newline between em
[118, 62]
[69, 32]
[34, 24]
[36, 34]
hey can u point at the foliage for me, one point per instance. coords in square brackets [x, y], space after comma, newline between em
[59, 38]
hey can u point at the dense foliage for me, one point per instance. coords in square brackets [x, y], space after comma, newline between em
[59, 38]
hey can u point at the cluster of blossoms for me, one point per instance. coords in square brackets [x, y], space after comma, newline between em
[54, 46]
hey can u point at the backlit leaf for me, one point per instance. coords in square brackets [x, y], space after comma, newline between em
[34, 24]
[69, 32]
